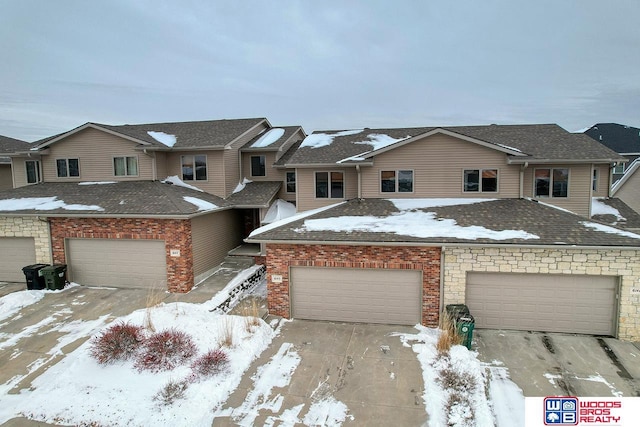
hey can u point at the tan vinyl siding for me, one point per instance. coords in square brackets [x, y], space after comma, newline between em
[307, 193]
[602, 189]
[630, 191]
[272, 174]
[19, 171]
[438, 163]
[214, 184]
[161, 165]
[289, 197]
[95, 149]
[213, 236]
[231, 170]
[6, 179]
[578, 200]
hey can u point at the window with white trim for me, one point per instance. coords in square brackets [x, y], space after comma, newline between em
[194, 168]
[291, 182]
[125, 166]
[33, 171]
[68, 168]
[396, 181]
[551, 182]
[329, 185]
[594, 182]
[258, 166]
[618, 168]
[480, 180]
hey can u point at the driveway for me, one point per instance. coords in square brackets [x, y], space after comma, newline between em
[364, 366]
[548, 364]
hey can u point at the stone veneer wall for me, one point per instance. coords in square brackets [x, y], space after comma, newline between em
[280, 257]
[614, 262]
[29, 227]
[176, 234]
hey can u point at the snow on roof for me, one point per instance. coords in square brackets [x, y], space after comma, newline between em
[509, 148]
[290, 219]
[411, 204]
[163, 138]
[241, 185]
[43, 204]
[606, 229]
[202, 205]
[97, 182]
[269, 137]
[280, 209]
[583, 130]
[317, 140]
[356, 158]
[380, 140]
[600, 208]
[180, 183]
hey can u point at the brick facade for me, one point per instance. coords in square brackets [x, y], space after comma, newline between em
[610, 262]
[29, 227]
[280, 257]
[176, 234]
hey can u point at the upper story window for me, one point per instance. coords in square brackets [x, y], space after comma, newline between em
[481, 180]
[258, 166]
[291, 182]
[551, 182]
[400, 181]
[329, 185]
[194, 168]
[594, 182]
[33, 171]
[619, 168]
[125, 166]
[68, 168]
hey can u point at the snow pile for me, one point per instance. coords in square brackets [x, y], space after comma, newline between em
[241, 185]
[180, 183]
[454, 382]
[271, 136]
[506, 397]
[163, 138]
[43, 204]
[598, 207]
[202, 205]
[221, 296]
[279, 210]
[610, 230]
[13, 302]
[290, 219]
[317, 140]
[380, 140]
[97, 182]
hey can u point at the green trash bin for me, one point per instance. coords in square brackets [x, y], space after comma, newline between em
[55, 276]
[465, 326]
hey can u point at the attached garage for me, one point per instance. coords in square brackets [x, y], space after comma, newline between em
[17, 252]
[356, 295]
[584, 304]
[121, 263]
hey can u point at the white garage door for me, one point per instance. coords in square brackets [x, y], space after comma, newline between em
[121, 263]
[15, 253]
[543, 302]
[356, 295]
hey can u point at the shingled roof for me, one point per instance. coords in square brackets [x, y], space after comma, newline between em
[127, 198]
[620, 138]
[504, 221]
[11, 145]
[288, 131]
[539, 142]
[258, 194]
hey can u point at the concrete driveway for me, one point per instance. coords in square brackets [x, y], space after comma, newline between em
[363, 366]
[548, 364]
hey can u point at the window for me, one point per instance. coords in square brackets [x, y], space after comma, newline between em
[194, 168]
[329, 185]
[594, 184]
[125, 166]
[481, 180]
[396, 181]
[258, 166]
[291, 182]
[618, 168]
[68, 167]
[551, 182]
[33, 171]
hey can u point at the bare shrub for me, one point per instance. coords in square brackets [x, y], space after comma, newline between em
[172, 391]
[118, 342]
[209, 364]
[165, 350]
[459, 385]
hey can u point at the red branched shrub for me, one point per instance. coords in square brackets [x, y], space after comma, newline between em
[118, 342]
[209, 364]
[165, 350]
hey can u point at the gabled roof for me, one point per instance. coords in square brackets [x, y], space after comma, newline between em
[11, 145]
[620, 138]
[188, 135]
[283, 134]
[116, 199]
[542, 143]
[628, 173]
[257, 194]
[518, 222]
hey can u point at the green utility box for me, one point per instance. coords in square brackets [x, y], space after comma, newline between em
[463, 322]
[55, 276]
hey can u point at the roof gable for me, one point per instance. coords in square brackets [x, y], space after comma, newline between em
[631, 170]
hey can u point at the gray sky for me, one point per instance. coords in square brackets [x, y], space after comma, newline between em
[319, 64]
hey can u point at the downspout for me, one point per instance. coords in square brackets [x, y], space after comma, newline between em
[522, 168]
[359, 182]
[593, 168]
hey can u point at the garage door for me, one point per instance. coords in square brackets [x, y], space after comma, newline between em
[356, 295]
[17, 252]
[539, 302]
[122, 263]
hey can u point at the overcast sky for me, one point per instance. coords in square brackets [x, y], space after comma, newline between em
[319, 64]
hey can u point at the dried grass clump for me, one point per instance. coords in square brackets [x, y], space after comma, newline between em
[448, 334]
[172, 391]
[227, 334]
